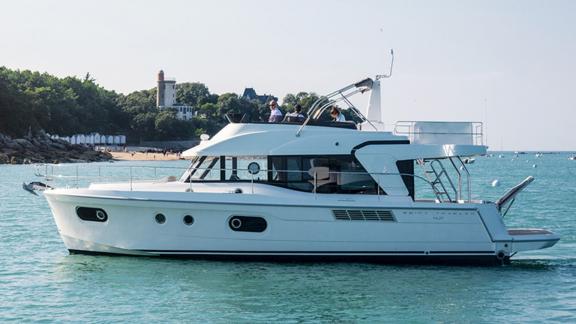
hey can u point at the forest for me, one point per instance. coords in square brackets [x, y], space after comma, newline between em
[32, 101]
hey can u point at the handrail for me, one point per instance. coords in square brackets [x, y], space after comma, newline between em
[357, 87]
[439, 178]
[511, 194]
[407, 128]
[468, 180]
[133, 179]
[459, 192]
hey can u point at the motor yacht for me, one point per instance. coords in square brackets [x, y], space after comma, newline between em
[311, 190]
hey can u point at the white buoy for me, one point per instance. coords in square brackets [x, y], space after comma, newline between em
[534, 166]
[495, 183]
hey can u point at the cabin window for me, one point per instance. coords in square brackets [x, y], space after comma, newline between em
[322, 174]
[406, 169]
[226, 168]
[240, 164]
[206, 168]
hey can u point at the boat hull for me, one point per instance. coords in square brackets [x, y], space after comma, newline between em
[400, 232]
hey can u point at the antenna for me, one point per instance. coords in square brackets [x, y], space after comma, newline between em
[381, 76]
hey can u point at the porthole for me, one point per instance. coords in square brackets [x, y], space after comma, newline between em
[101, 215]
[253, 168]
[247, 224]
[188, 220]
[160, 218]
[235, 223]
[91, 214]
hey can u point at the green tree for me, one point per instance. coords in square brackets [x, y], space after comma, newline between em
[15, 108]
[138, 102]
[59, 105]
[208, 110]
[169, 127]
[143, 126]
[304, 99]
[192, 93]
[230, 103]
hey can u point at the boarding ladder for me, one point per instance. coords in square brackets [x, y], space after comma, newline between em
[439, 180]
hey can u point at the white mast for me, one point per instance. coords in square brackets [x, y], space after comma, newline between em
[374, 111]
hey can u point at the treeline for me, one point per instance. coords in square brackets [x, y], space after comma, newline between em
[32, 101]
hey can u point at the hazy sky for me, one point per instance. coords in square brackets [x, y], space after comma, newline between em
[508, 63]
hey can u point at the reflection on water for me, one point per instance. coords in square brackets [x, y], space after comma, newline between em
[40, 281]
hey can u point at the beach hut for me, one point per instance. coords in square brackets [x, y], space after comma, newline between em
[81, 139]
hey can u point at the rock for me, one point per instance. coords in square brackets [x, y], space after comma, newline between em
[57, 145]
[4, 158]
[43, 149]
[24, 143]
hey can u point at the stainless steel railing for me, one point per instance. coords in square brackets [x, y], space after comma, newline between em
[74, 176]
[437, 132]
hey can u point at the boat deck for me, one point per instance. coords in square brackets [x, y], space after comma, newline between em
[528, 231]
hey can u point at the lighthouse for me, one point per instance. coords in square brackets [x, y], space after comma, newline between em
[166, 98]
[166, 91]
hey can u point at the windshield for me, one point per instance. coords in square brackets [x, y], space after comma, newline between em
[203, 168]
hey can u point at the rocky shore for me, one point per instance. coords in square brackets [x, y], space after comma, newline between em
[42, 149]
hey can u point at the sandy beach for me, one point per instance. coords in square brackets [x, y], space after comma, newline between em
[139, 156]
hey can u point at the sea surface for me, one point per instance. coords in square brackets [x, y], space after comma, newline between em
[40, 281]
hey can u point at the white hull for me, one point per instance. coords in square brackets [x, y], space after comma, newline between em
[412, 230]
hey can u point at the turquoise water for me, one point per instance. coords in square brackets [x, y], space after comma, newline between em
[39, 281]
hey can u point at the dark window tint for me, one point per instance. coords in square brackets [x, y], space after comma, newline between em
[91, 214]
[323, 174]
[406, 169]
[247, 224]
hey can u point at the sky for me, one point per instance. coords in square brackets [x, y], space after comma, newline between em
[509, 64]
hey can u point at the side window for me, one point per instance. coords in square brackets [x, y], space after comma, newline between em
[207, 168]
[243, 163]
[323, 174]
[352, 178]
[231, 167]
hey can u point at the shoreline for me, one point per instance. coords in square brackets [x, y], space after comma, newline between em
[141, 156]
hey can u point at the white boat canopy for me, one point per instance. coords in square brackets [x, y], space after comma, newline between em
[278, 139]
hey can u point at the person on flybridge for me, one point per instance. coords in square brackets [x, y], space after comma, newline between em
[337, 115]
[275, 113]
[296, 115]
